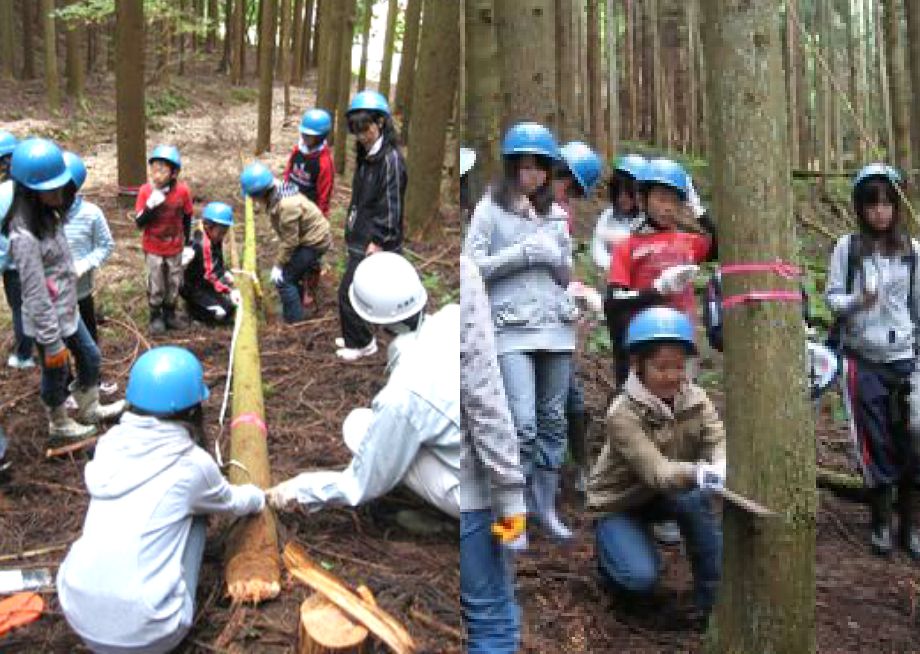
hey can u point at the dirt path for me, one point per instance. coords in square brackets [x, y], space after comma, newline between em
[308, 393]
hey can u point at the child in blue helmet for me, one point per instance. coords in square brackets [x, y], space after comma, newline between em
[164, 213]
[664, 453]
[625, 213]
[375, 213]
[872, 290]
[21, 356]
[520, 241]
[90, 241]
[309, 166]
[49, 289]
[207, 285]
[128, 584]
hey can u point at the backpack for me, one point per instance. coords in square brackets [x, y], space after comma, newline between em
[834, 334]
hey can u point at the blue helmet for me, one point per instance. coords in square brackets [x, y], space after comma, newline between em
[467, 160]
[256, 178]
[529, 138]
[634, 165]
[38, 164]
[875, 170]
[168, 153]
[218, 213]
[166, 380]
[368, 101]
[583, 162]
[8, 143]
[666, 172]
[316, 122]
[77, 169]
[660, 325]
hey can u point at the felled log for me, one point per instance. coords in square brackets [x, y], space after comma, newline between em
[324, 629]
[377, 621]
[252, 566]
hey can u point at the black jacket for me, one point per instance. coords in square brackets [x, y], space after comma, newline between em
[376, 210]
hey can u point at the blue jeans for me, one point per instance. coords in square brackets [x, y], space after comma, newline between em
[13, 289]
[537, 385]
[575, 400]
[490, 613]
[87, 358]
[628, 556]
[304, 261]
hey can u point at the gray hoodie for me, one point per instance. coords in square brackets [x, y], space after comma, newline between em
[121, 583]
[490, 470]
[884, 332]
[531, 309]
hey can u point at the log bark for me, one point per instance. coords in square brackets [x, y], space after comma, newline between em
[343, 88]
[266, 74]
[252, 565]
[389, 46]
[130, 118]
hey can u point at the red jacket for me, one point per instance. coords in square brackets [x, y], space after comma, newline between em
[313, 174]
[637, 261]
[165, 234]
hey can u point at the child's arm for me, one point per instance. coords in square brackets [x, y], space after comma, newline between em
[840, 302]
[290, 164]
[712, 439]
[385, 227]
[478, 244]
[288, 232]
[626, 434]
[143, 212]
[188, 211]
[324, 181]
[103, 244]
[209, 492]
[36, 296]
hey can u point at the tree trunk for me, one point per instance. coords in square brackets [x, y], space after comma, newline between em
[659, 136]
[439, 51]
[130, 119]
[595, 78]
[237, 43]
[613, 82]
[311, 49]
[52, 79]
[584, 109]
[483, 92]
[853, 53]
[368, 9]
[526, 30]
[898, 83]
[343, 88]
[7, 44]
[27, 12]
[767, 595]
[213, 22]
[224, 64]
[389, 47]
[631, 73]
[566, 70]
[407, 64]
[297, 45]
[330, 71]
[266, 50]
[703, 95]
[913, 40]
[180, 34]
[823, 109]
[76, 74]
[792, 74]
[284, 54]
[884, 77]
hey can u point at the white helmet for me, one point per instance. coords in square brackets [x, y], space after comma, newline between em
[467, 160]
[386, 289]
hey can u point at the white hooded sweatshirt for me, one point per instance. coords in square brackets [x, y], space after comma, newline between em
[121, 585]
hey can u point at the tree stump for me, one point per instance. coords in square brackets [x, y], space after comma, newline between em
[324, 629]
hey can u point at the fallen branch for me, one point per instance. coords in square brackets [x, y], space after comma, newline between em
[839, 481]
[73, 447]
[437, 625]
[29, 554]
[379, 622]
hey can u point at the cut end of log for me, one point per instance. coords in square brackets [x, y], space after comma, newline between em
[324, 628]
[253, 591]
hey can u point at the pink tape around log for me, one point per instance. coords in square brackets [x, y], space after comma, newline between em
[761, 296]
[787, 270]
[250, 419]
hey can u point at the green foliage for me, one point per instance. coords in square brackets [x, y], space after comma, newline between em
[243, 94]
[598, 341]
[96, 12]
[164, 102]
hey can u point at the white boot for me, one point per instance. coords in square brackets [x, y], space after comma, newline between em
[89, 410]
[355, 353]
[60, 425]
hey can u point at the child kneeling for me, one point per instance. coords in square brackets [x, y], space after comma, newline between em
[207, 286]
[665, 451]
[128, 584]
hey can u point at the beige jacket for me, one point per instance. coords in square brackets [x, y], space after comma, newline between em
[298, 223]
[651, 449]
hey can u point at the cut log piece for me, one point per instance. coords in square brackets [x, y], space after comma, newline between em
[324, 629]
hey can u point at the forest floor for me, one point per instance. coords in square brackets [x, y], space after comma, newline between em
[308, 392]
[864, 603]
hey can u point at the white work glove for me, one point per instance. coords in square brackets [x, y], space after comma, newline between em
[675, 279]
[82, 267]
[187, 255]
[277, 275]
[156, 199]
[588, 295]
[235, 297]
[228, 278]
[542, 248]
[255, 499]
[282, 495]
[710, 476]
[218, 311]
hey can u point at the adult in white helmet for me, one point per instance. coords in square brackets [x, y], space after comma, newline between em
[411, 433]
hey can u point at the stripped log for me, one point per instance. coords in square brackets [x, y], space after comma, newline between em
[253, 567]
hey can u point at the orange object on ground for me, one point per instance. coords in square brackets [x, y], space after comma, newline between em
[20, 609]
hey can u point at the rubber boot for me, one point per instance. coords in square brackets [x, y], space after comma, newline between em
[908, 537]
[578, 448]
[60, 425]
[90, 411]
[880, 503]
[310, 298]
[545, 486]
[157, 326]
[173, 319]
